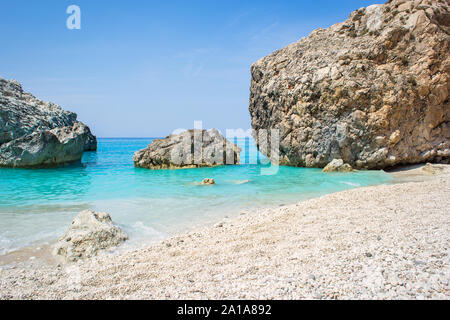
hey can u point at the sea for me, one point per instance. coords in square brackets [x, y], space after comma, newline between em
[38, 205]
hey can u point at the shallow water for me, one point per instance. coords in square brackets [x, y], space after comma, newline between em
[38, 205]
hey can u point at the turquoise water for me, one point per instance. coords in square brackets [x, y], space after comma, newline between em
[38, 205]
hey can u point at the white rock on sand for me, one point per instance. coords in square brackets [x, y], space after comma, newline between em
[89, 233]
[388, 241]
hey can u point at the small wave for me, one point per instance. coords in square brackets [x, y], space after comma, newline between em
[353, 184]
[241, 181]
[144, 231]
[5, 245]
[141, 235]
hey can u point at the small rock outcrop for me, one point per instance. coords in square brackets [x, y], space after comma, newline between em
[372, 90]
[34, 133]
[433, 169]
[208, 182]
[338, 165]
[189, 149]
[89, 233]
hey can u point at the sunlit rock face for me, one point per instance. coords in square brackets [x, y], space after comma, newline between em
[89, 234]
[189, 149]
[372, 90]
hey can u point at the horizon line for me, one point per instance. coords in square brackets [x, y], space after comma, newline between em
[128, 137]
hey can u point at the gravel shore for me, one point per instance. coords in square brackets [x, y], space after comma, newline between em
[381, 242]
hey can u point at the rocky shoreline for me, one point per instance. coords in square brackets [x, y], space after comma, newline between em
[381, 242]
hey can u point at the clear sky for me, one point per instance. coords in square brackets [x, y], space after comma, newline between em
[145, 68]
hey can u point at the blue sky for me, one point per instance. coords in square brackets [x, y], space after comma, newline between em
[145, 68]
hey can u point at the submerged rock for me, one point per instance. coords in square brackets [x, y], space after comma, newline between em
[372, 90]
[89, 233]
[189, 149]
[338, 165]
[208, 182]
[34, 133]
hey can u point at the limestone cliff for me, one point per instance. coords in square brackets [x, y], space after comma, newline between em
[372, 90]
[34, 133]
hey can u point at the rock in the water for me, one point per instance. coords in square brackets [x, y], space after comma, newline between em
[45, 148]
[372, 90]
[208, 182]
[34, 133]
[189, 149]
[338, 165]
[89, 233]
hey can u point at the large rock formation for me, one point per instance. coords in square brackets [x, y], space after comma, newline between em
[34, 133]
[372, 91]
[189, 149]
[45, 148]
[89, 233]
